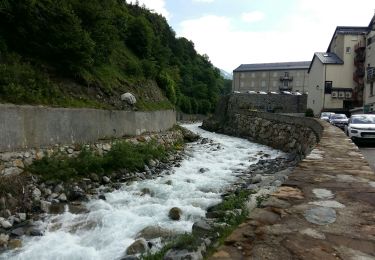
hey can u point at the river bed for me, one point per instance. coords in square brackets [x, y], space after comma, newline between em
[111, 225]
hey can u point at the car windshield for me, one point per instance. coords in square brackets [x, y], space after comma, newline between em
[326, 114]
[339, 116]
[364, 119]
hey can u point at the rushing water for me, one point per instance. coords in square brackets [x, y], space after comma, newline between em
[111, 226]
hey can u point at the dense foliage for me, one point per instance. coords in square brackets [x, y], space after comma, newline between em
[108, 45]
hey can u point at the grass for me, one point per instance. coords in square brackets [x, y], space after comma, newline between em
[123, 155]
[191, 242]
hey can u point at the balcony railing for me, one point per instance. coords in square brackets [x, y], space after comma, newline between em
[359, 46]
[289, 78]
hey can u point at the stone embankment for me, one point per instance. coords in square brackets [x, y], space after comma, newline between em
[290, 134]
[25, 196]
[324, 210]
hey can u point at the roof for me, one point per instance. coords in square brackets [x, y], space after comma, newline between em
[349, 30]
[298, 65]
[326, 58]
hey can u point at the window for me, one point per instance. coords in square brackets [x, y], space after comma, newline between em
[263, 83]
[275, 74]
[253, 75]
[348, 49]
[286, 74]
[286, 83]
[242, 75]
[263, 74]
[274, 83]
[252, 83]
[242, 84]
[328, 87]
[372, 89]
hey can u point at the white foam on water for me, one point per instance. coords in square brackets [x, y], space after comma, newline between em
[112, 225]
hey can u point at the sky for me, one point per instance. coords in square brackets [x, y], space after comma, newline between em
[235, 32]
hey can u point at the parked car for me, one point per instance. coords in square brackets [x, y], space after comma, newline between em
[339, 120]
[361, 127]
[262, 92]
[251, 92]
[286, 92]
[236, 92]
[325, 115]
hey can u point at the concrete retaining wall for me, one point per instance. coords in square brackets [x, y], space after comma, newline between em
[24, 127]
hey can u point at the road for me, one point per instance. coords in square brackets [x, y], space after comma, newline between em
[368, 150]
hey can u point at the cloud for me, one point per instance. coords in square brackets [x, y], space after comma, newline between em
[204, 1]
[254, 16]
[156, 5]
[295, 37]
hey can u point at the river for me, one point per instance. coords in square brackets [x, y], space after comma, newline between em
[111, 225]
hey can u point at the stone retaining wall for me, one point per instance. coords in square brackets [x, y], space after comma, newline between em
[25, 127]
[290, 134]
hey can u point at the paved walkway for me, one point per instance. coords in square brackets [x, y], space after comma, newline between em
[326, 210]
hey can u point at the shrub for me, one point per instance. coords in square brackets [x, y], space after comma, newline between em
[309, 112]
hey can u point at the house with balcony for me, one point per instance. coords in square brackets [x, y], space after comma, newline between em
[336, 77]
[369, 79]
[271, 77]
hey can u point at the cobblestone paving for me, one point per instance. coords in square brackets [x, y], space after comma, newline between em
[325, 210]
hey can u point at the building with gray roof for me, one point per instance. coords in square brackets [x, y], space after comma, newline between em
[271, 77]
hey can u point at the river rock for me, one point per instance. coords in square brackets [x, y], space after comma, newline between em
[201, 228]
[22, 216]
[320, 215]
[174, 254]
[94, 177]
[58, 189]
[62, 197]
[45, 206]
[256, 179]
[36, 231]
[5, 223]
[106, 180]
[18, 232]
[2, 203]
[5, 213]
[152, 232]
[138, 247]
[36, 194]
[14, 243]
[4, 240]
[146, 191]
[175, 213]
[203, 170]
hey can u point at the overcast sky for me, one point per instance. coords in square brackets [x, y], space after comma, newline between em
[234, 32]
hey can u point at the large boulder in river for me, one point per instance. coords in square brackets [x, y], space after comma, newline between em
[138, 247]
[129, 98]
[175, 213]
[152, 232]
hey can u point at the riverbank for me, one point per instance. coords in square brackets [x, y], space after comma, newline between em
[27, 197]
[142, 210]
[323, 211]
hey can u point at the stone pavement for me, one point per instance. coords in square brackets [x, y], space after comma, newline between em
[325, 210]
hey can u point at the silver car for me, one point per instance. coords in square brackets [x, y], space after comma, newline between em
[361, 127]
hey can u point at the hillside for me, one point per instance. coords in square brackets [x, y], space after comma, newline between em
[76, 53]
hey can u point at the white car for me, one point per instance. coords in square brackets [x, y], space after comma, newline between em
[262, 92]
[325, 115]
[361, 127]
[251, 92]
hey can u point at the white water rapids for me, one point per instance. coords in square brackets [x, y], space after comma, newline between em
[112, 225]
